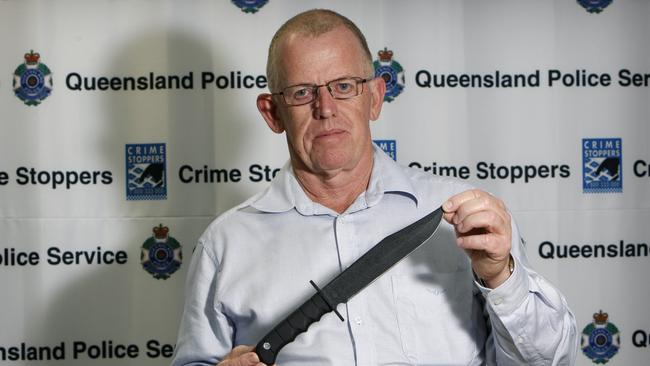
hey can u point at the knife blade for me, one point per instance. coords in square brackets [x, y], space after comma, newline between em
[385, 254]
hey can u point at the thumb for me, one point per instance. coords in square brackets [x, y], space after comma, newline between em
[249, 359]
[449, 211]
[241, 356]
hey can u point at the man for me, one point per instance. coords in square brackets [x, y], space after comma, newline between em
[467, 297]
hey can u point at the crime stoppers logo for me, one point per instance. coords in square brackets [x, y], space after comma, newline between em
[250, 6]
[600, 339]
[594, 6]
[389, 147]
[146, 177]
[602, 165]
[32, 80]
[392, 73]
[161, 254]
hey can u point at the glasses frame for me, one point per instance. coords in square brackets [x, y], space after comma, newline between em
[316, 88]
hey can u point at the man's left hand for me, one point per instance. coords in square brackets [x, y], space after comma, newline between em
[483, 230]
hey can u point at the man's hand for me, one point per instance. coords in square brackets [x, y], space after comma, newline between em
[242, 356]
[483, 229]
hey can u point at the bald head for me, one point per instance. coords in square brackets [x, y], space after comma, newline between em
[312, 23]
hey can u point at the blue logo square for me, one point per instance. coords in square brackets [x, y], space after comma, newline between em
[389, 147]
[602, 165]
[146, 168]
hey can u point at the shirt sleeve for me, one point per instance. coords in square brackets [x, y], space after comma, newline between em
[205, 333]
[530, 320]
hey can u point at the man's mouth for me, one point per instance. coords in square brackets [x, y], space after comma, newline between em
[330, 133]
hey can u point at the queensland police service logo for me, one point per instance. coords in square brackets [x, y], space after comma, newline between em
[602, 168]
[600, 339]
[161, 254]
[146, 177]
[594, 6]
[250, 6]
[389, 147]
[392, 73]
[32, 80]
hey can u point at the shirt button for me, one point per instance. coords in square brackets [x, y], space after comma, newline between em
[520, 339]
[498, 301]
[358, 320]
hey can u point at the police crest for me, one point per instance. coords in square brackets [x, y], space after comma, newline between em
[161, 255]
[594, 6]
[392, 73]
[32, 80]
[600, 339]
[250, 6]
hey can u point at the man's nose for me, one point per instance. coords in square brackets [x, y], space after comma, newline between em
[325, 106]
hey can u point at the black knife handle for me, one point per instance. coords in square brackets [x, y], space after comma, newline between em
[310, 312]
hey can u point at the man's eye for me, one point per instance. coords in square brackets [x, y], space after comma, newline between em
[343, 87]
[302, 93]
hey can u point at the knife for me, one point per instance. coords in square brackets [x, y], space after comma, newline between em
[385, 254]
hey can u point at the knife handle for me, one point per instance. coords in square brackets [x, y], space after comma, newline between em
[310, 312]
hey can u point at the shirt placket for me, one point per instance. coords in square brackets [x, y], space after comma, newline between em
[350, 250]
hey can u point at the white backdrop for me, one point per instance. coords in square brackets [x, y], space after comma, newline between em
[72, 182]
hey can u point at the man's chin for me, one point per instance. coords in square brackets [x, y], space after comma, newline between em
[332, 163]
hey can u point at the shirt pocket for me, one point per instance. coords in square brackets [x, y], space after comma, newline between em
[434, 316]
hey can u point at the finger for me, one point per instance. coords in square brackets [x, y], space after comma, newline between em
[458, 199]
[239, 350]
[247, 359]
[489, 221]
[242, 356]
[454, 202]
[491, 245]
[479, 204]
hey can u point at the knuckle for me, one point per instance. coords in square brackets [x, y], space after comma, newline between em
[492, 244]
[493, 217]
[484, 240]
[486, 201]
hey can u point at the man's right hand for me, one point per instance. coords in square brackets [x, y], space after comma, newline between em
[242, 356]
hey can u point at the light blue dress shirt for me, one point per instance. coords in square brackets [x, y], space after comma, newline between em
[252, 266]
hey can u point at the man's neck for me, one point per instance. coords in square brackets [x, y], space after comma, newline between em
[336, 190]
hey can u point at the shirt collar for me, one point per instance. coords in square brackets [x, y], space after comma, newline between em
[285, 193]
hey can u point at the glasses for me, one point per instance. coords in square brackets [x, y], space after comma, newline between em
[343, 88]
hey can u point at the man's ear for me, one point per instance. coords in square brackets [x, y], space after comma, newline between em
[377, 89]
[269, 111]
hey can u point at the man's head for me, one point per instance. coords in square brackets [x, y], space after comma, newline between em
[327, 134]
[312, 23]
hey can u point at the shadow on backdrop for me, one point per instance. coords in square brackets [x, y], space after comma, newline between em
[123, 304]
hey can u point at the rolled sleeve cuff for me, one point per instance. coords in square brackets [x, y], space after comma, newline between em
[509, 295]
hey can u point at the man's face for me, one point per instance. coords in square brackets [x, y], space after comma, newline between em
[327, 135]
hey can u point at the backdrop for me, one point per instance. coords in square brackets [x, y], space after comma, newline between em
[127, 126]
